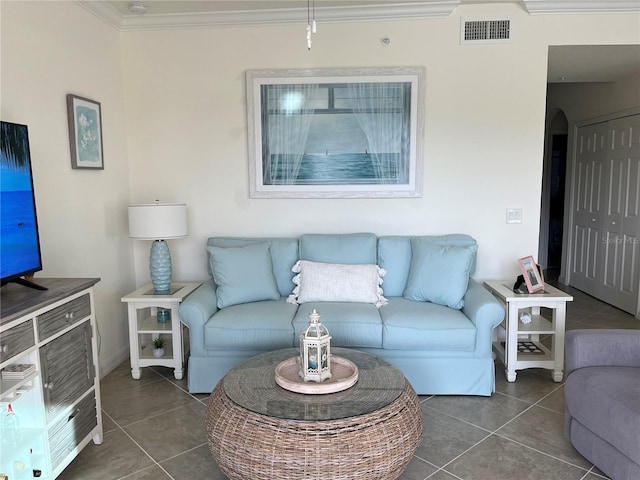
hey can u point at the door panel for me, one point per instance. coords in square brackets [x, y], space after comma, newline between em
[588, 201]
[622, 276]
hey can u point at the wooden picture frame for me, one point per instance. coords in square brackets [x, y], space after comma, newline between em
[532, 277]
[85, 133]
[336, 133]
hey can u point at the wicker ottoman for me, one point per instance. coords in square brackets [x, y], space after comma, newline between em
[257, 430]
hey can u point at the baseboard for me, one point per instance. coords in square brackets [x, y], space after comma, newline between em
[109, 364]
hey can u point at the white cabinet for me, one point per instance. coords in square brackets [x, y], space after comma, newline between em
[56, 407]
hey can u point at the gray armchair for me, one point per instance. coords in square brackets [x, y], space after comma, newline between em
[602, 396]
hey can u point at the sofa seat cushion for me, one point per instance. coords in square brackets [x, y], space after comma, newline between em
[251, 326]
[409, 325]
[605, 400]
[349, 324]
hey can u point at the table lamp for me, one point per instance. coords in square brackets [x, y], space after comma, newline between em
[158, 222]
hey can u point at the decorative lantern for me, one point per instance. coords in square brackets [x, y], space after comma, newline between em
[315, 350]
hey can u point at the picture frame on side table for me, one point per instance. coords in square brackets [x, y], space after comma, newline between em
[336, 133]
[532, 277]
[85, 133]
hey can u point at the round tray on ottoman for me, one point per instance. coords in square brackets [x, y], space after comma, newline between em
[260, 431]
[344, 374]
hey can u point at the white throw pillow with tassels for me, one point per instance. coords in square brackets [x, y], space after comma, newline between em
[337, 282]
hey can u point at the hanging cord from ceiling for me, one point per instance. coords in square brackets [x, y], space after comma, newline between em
[311, 21]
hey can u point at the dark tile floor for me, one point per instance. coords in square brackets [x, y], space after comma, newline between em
[154, 429]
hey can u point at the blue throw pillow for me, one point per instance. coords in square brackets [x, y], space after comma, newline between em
[439, 273]
[243, 274]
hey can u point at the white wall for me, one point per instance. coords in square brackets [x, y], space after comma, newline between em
[50, 49]
[174, 125]
[584, 101]
[485, 113]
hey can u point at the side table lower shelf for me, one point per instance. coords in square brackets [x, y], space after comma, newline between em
[147, 356]
[544, 359]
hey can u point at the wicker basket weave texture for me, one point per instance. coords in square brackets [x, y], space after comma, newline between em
[251, 446]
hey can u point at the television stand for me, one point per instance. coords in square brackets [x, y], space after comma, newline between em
[26, 283]
[54, 332]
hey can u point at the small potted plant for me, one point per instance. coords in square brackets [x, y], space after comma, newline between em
[158, 347]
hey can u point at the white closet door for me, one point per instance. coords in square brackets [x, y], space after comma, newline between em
[621, 229]
[605, 258]
[588, 204]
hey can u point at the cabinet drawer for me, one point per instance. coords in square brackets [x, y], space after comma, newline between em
[69, 431]
[61, 317]
[16, 340]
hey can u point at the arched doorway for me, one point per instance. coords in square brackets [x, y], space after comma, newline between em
[553, 196]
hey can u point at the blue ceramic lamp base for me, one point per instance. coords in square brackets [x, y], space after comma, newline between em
[160, 266]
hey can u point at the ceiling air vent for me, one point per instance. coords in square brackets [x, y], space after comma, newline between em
[474, 31]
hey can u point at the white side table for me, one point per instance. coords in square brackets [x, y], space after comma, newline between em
[518, 303]
[143, 305]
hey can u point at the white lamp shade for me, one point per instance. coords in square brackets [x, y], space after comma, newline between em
[158, 221]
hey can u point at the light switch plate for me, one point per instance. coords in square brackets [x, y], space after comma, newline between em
[514, 215]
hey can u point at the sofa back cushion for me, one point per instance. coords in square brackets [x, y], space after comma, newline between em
[339, 248]
[284, 254]
[395, 256]
[439, 273]
[243, 274]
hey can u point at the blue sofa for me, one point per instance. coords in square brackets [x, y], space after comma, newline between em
[443, 346]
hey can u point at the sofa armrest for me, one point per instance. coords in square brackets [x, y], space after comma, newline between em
[485, 312]
[602, 348]
[196, 310]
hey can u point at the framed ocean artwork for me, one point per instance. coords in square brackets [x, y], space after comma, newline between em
[85, 133]
[335, 133]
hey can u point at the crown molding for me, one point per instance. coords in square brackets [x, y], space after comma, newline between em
[402, 11]
[103, 11]
[354, 13]
[541, 7]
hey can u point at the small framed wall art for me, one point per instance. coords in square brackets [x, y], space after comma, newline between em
[85, 133]
[532, 277]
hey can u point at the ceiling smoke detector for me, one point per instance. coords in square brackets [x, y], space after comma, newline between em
[137, 7]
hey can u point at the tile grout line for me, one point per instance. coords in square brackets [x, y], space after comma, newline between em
[119, 427]
[441, 469]
[536, 404]
[156, 415]
[122, 428]
[168, 379]
[495, 432]
[186, 451]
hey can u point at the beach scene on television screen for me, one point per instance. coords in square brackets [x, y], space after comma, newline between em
[336, 133]
[17, 208]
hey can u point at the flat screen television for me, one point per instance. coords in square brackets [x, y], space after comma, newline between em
[19, 240]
